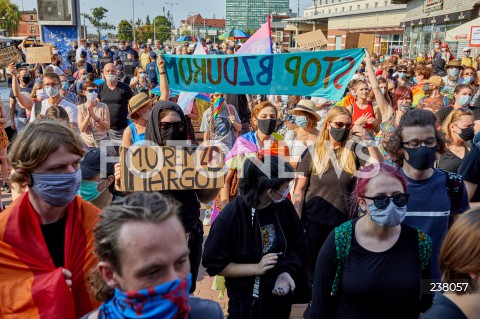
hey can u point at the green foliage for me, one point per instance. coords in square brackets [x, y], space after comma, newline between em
[11, 17]
[162, 29]
[125, 31]
[97, 20]
[147, 20]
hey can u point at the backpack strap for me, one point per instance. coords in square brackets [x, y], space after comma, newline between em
[424, 248]
[343, 242]
[420, 103]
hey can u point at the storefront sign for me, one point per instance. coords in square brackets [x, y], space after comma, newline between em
[325, 74]
[432, 5]
[475, 36]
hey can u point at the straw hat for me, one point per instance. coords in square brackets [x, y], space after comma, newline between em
[454, 63]
[137, 102]
[307, 106]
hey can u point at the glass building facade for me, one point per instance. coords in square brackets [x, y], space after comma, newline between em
[251, 14]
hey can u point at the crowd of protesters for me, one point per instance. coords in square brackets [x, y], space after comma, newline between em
[359, 208]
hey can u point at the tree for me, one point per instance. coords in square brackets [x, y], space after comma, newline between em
[163, 28]
[125, 31]
[96, 19]
[11, 17]
[147, 20]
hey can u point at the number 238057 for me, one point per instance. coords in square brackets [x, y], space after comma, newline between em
[448, 287]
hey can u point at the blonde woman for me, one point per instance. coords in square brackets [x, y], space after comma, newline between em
[328, 177]
[458, 128]
[140, 82]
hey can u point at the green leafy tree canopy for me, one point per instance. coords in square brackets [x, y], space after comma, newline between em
[11, 16]
[97, 20]
[125, 31]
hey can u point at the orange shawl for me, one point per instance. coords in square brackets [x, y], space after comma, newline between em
[30, 285]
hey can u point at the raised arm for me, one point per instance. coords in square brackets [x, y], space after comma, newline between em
[384, 107]
[24, 101]
[164, 88]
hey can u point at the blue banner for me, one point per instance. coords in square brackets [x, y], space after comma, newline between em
[325, 73]
[61, 37]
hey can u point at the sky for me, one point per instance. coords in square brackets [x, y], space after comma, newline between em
[123, 9]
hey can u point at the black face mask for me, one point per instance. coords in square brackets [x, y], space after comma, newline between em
[267, 126]
[75, 47]
[390, 71]
[26, 78]
[421, 158]
[339, 134]
[175, 132]
[57, 63]
[467, 134]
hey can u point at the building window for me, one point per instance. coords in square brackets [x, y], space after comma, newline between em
[329, 10]
[358, 7]
[350, 8]
[31, 17]
[343, 9]
[366, 6]
[386, 3]
[32, 30]
[376, 4]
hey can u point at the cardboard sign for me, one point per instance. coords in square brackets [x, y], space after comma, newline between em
[475, 36]
[8, 55]
[311, 40]
[325, 74]
[159, 168]
[39, 55]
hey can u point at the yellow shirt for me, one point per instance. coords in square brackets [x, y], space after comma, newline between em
[144, 59]
[467, 61]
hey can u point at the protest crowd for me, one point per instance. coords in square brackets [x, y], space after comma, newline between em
[360, 204]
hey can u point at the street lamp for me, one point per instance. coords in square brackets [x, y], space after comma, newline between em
[133, 21]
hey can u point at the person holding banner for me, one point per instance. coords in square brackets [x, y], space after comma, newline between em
[167, 124]
[46, 235]
[258, 243]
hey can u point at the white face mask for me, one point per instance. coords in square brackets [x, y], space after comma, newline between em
[436, 46]
[110, 77]
[284, 196]
[51, 91]
[41, 95]
[91, 96]
[444, 49]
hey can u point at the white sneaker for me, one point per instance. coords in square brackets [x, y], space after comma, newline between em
[208, 218]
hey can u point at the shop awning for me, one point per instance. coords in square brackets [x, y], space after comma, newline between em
[462, 12]
[462, 32]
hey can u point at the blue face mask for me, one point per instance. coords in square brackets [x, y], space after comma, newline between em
[89, 190]
[389, 217]
[167, 301]
[415, 80]
[301, 121]
[464, 100]
[468, 79]
[381, 60]
[65, 86]
[402, 75]
[383, 91]
[453, 72]
[56, 189]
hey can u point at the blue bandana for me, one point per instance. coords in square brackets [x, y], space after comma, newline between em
[167, 301]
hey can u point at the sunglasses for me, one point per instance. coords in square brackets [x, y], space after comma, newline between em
[143, 72]
[342, 125]
[92, 91]
[382, 201]
[416, 143]
[401, 71]
[168, 125]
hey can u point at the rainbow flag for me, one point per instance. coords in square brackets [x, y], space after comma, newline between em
[217, 105]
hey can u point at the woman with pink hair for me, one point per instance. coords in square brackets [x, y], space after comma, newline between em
[373, 265]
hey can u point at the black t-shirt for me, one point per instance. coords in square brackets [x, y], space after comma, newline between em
[450, 162]
[374, 285]
[117, 102]
[241, 104]
[470, 170]
[443, 113]
[443, 308]
[20, 112]
[326, 197]
[103, 61]
[190, 208]
[129, 67]
[54, 236]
